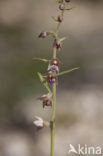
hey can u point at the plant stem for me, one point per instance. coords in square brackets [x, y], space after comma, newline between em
[54, 96]
[59, 24]
[53, 112]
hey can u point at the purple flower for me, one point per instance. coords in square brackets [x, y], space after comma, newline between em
[54, 65]
[54, 68]
[53, 80]
[57, 44]
[46, 99]
[43, 34]
[51, 77]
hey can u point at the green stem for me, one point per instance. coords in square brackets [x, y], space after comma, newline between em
[59, 24]
[53, 112]
[54, 97]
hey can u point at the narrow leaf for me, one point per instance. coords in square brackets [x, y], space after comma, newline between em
[40, 59]
[53, 34]
[69, 8]
[62, 39]
[46, 85]
[67, 71]
[54, 18]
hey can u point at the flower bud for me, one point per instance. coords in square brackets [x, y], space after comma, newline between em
[60, 19]
[67, 1]
[57, 44]
[61, 6]
[43, 34]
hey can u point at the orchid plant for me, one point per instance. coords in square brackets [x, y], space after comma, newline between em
[50, 78]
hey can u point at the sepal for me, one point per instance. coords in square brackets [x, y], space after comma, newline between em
[40, 59]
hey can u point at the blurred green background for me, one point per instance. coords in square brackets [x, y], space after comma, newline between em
[79, 94]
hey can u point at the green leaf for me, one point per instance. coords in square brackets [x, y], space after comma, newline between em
[53, 34]
[42, 79]
[54, 19]
[62, 39]
[69, 8]
[40, 59]
[67, 71]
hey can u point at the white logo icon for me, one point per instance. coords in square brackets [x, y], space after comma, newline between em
[72, 149]
[85, 149]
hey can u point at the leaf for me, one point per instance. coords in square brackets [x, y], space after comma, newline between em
[62, 39]
[67, 71]
[46, 85]
[53, 34]
[69, 8]
[40, 59]
[54, 19]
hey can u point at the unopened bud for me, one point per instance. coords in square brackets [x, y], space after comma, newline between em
[60, 18]
[43, 34]
[67, 1]
[61, 6]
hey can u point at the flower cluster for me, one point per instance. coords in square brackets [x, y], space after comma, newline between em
[50, 77]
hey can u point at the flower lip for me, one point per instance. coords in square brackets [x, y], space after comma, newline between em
[53, 80]
[47, 102]
[53, 68]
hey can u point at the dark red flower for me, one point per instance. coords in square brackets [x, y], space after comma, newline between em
[67, 1]
[57, 44]
[60, 19]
